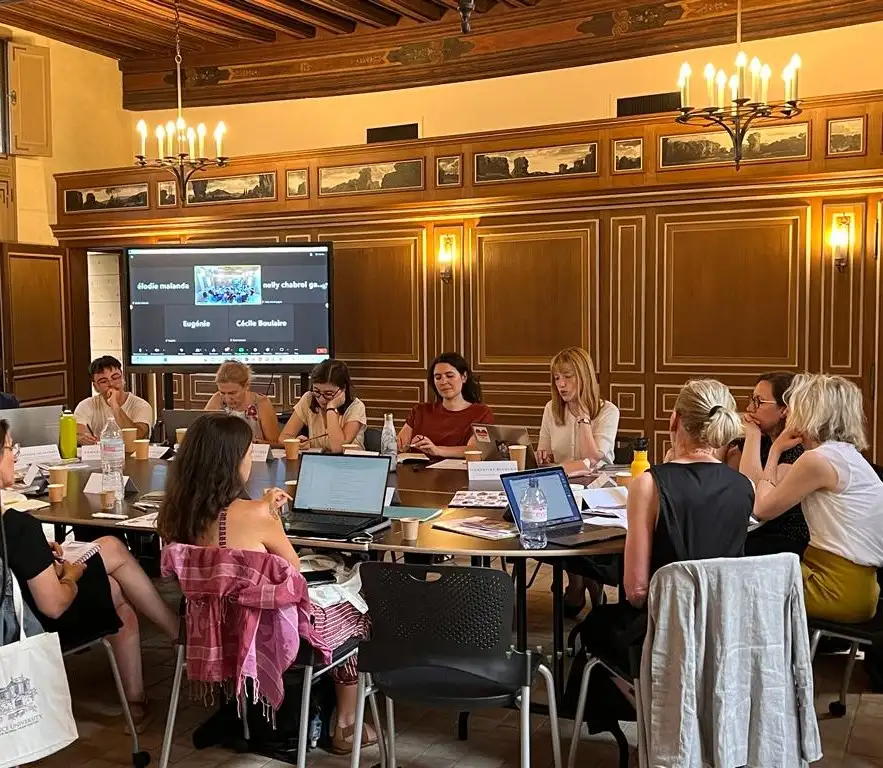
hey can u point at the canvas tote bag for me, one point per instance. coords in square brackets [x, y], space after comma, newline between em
[35, 700]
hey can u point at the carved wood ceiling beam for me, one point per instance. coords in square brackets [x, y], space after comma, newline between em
[419, 10]
[362, 11]
[225, 28]
[254, 14]
[308, 14]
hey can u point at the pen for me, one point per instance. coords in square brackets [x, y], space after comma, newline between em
[110, 516]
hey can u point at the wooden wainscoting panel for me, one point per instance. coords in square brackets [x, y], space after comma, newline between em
[379, 298]
[842, 292]
[730, 290]
[37, 303]
[40, 388]
[532, 291]
[626, 293]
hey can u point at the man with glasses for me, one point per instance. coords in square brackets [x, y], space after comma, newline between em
[129, 411]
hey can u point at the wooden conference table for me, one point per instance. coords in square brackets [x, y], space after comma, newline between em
[417, 486]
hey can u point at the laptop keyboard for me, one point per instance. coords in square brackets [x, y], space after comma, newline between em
[324, 520]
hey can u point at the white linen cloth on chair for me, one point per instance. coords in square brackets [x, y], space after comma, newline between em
[726, 676]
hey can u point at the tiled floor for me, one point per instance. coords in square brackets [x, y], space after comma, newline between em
[426, 739]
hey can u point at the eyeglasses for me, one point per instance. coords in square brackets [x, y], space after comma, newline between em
[757, 402]
[15, 448]
[325, 395]
[113, 379]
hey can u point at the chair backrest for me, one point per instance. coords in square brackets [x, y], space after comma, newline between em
[425, 615]
[372, 439]
[623, 449]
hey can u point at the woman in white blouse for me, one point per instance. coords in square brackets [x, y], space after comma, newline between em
[579, 428]
[578, 432]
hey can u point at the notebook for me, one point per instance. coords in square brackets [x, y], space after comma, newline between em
[79, 551]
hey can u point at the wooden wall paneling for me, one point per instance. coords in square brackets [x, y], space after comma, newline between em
[875, 236]
[36, 328]
[532, 290]
[77, 264]
[382, 324]
[8, 218]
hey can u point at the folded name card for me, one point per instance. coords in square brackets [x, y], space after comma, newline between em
[95, 484]
[38, 454]
[90, 453]
[484, 471]
[260, 451]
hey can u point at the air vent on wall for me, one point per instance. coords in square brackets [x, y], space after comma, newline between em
[648, 105]
[394, 133]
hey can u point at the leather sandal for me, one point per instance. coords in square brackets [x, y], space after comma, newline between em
[342, 739]
[141, 716]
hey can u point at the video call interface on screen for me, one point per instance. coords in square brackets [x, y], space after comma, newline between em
[201, 306]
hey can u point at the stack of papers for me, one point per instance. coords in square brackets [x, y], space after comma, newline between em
[145, 521]
[481, 527]
[605, 498]
[449, 464]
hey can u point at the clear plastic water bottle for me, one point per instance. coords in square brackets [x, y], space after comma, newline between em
[113, 458]
[534, 515]
[388, 444]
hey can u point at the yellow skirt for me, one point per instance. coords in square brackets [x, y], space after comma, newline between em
[837, 589]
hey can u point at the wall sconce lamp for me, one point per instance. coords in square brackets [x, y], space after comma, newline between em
[446, 250]
[839, 241]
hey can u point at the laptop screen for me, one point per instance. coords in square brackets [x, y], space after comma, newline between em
[355, 484]
[553, 483]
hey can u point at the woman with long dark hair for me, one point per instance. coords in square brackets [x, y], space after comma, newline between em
[443, 428]
[204, 506]
[330, 411]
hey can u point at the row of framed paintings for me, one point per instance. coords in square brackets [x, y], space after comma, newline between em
[789, 141]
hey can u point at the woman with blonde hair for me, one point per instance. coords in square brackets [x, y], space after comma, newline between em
[578, 431]
[838, 490]
[579, 428]
[692, 507]
[234, 397]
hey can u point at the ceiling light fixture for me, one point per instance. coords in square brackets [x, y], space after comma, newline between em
[748, 90]
[466, 9]
[181, 148]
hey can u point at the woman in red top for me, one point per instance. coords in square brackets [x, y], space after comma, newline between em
[443, 429]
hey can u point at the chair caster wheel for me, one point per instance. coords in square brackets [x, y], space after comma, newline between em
[141, 759]
[837, 708]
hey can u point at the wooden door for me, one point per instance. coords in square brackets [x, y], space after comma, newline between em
[30, 100]
[35, 318]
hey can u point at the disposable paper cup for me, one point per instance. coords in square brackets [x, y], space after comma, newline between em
[58, 476]
[142, 449]
[472, 455]
[292, 448]
[129, 437]
[56, 493]
[623, 478]
[351, 447]
[108, 499]
[179, 434]
[577, 491]
[518, 454]
[410, 528]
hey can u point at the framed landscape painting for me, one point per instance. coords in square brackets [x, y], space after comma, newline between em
[120, 198]
[789, 141]
[297, 183]
[846, 136]
[628, 155]
[397, 176]
[538, 163]
[449, 171]
[252, 188]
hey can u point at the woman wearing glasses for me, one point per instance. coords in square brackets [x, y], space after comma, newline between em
[234, 397]
[766, 417]
[332, 416]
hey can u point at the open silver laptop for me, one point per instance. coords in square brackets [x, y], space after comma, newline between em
[33, 426]
[493, 440]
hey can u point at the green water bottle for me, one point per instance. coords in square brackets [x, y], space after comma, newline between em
[67, 435]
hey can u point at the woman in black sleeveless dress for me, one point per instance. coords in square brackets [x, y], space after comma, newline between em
[693, 508]
[766, 416]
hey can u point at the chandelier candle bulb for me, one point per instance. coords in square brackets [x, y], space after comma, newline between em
[721, 80]
[741, 64]
[765, 75]
[684, 84]
[734, 93]
[754, 69]
[788, 77]
[795, 69]
[160, 136]
[219, 137]
[142, 130]
[181, 128]
[191, 142]
[170, 138]
[709, 82]
[200, 134]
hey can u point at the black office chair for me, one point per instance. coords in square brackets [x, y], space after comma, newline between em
[441, 637]
[372, 439]
[623, 449]
[869, 634]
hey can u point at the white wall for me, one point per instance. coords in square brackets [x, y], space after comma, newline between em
[835, 61]
[104, 305]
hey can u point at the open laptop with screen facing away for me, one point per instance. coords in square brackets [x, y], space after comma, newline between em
[493, 440]
[564, 525]
[338, 497]
[33, 426]
[178, 419]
